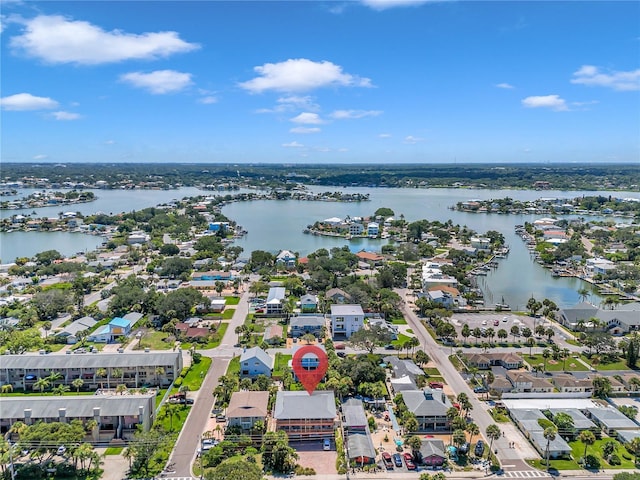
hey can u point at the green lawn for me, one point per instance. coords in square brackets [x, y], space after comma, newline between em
[232, 300]
[281, 364]
[228, 313]
[234, 366]
[619, 365]
[401, 339]
[153, 340]
[432, 372]
[195, 375]
[399, 321]
[114, 450]
[570, 364]
[174, 422]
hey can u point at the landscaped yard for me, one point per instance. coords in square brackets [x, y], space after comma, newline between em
[401, 339]
[570, 364]
[232, 300]
[577, 449]
[153, 340]
[619, 365]
[211, 344]
[195, 375]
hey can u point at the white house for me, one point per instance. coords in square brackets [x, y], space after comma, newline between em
[373, 228]
[286, 259]
[275, 300]
[346, 319]
[481, 243]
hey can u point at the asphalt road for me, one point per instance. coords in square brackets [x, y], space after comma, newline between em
[184, 451]
[439, 355]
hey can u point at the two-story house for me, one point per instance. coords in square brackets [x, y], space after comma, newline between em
[255, 361]
[346, 320]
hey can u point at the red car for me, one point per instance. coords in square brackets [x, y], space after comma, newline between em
[408, 460]
[388, 462]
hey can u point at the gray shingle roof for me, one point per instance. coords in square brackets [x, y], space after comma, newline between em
[354, 415]
[248, 404]
[76, 405]
[612, 418]
[360, 445]
[427, 403]
[308, 320]
[321, 405]
[88, 360]
[261, 355]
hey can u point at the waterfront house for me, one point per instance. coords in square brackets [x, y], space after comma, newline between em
[373, 229]
[286, 259]
[255, 361]
[356, 229]
[302, 415]
[618, 321]
[247, 407]
[346, 319]
[303, 324]
[370, 258]
[275, 300]
[481, 243]
[430, 408]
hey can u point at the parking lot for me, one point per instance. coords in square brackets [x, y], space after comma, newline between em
[495, 320]
[312, 455]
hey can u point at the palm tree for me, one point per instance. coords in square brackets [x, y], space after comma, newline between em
[473, 430]
[459, 437]
[587, 438]
[121, 388]
[77, 384]
[565, 354]
[41, 384]
[170, 411]
[584, 293]
[550, 435]
[118, 373]
[452, 414]
[530, 343]
[101, 373]
[6, 388]
[61, 389]
[158, 372]
[54, 377]
[309, 338]
[493, 433]
[546, 354]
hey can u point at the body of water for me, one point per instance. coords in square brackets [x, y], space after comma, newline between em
[276, 225]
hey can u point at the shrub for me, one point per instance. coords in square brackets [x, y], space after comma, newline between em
[591, 461]
[614, 459]
[300, 470]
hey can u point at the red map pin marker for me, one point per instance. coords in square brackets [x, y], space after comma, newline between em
[308, 371]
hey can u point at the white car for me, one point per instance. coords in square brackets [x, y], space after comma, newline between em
[62, 450]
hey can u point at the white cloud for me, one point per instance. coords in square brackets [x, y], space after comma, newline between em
[299, 75]
[308, 118]
[385, 4]
[158, 82]
[304, 130]
[293, 144]
[40, 156]
[110, 142]
[410, 139]
[505, 85]
[384, 135]
[66, 115]
[291, 103]
[208, 100]
[349, 114]
[554, 102]
[26, 101]
[55, 39]
[621, 81]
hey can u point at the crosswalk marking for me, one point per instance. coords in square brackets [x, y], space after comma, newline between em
[525, 474]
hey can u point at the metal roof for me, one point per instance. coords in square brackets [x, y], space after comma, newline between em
[320, 405]
[87, 360]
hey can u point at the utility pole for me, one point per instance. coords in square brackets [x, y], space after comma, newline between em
[201, 461]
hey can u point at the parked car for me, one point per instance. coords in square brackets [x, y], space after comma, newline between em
[386, 459]
[480, 390]
[408, 460]
[62, 450]
[496, 323]
[326, 444]
[390, 347]
[397, 459]
[464, 448]
[479, 450]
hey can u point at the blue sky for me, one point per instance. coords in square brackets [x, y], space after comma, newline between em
[377, 81]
